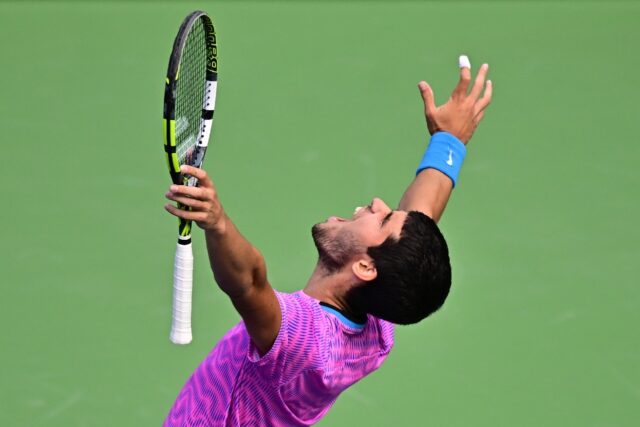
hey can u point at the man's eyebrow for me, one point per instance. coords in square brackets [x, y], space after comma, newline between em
[386, 219]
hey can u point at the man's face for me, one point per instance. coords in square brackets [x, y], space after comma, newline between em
[339, 240]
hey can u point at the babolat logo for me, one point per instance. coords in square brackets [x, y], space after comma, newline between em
[212, 52]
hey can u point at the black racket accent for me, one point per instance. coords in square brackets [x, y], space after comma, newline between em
[207, 114]
[184, 241]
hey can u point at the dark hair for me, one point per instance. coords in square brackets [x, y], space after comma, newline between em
[414, 274]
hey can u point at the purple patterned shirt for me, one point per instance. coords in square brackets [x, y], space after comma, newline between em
[317, 354]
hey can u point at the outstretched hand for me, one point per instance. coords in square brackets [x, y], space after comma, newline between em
[206, 209]
[462, 113]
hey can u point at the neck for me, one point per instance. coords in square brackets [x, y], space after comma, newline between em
[330, 287]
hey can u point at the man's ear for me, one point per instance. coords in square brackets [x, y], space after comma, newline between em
[364, 269]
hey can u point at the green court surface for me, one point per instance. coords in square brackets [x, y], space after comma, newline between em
[318, 112]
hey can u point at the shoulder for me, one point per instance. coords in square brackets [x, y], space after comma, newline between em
[383, 331]
[302, 320]
[298, 342]
[374, 338]
[298, 306]
[371, 335]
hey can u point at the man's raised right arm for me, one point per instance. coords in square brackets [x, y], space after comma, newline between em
[238, 267]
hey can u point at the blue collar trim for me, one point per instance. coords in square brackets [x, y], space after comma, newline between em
[350, 323]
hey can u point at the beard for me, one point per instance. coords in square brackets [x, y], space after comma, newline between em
[334, 251]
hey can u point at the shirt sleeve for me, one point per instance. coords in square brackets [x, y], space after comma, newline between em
[296, 347]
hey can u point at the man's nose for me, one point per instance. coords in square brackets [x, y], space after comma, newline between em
[378, 205]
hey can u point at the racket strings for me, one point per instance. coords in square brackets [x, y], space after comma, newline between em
[189, 88]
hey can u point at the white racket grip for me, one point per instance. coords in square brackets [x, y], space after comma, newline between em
[182, 290]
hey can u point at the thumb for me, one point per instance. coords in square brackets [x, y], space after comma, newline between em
[427, 97]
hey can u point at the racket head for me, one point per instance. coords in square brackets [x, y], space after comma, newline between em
[190, 91]
[189, 99]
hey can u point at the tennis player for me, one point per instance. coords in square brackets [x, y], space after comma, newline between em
[292, 354]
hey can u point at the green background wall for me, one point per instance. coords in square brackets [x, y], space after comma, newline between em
[318, 112]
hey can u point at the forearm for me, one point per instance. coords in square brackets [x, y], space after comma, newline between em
[428, 193]
[451, 125]
[237, 265]
[437, 174]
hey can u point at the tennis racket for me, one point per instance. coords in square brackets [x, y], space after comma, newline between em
[189, 100]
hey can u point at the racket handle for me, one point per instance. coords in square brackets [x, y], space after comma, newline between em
[182, 290]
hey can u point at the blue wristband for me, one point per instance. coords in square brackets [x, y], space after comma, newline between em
[446, 154]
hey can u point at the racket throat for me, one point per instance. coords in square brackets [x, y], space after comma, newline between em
[184, 232]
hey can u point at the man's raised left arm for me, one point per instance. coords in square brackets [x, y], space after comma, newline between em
[451, 127]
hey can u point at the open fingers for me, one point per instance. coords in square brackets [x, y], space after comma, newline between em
[465, 78]
[427, 97]
[479, 82]
[486, 98]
